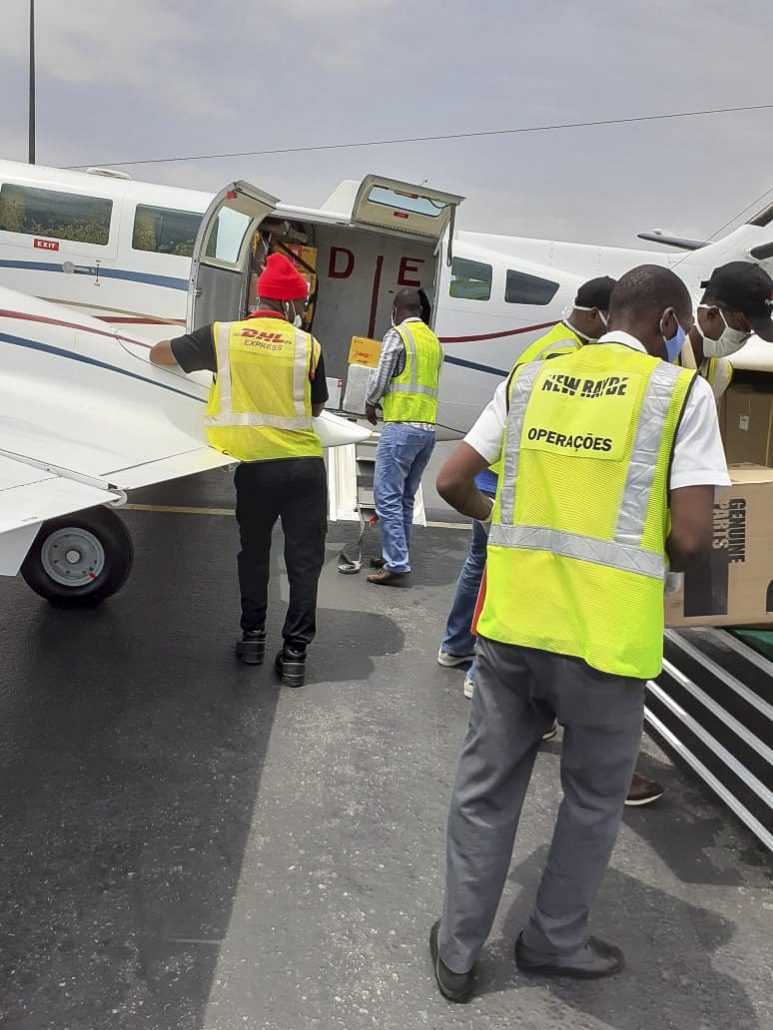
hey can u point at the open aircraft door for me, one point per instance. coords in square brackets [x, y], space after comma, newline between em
[404, 208]
[221, 254]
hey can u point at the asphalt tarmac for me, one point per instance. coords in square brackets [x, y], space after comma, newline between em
[187, 846]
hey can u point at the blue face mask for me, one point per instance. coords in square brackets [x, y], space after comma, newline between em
[675, 343]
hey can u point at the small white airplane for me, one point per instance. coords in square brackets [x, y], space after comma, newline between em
[86, 417]
[155, 258]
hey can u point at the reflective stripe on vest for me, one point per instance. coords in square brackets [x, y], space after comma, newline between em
[259, 406]
[622, 551]
[561, 339]
[577, 550]
[412, 396]
[228, 417]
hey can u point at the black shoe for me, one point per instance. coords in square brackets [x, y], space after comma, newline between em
[595, 960]
[454, 986]
[290, 664]
[252, 647]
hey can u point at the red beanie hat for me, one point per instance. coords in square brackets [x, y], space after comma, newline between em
[281, 280]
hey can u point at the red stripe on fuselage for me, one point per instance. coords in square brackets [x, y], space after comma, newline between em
[25, 316]
[498, 336]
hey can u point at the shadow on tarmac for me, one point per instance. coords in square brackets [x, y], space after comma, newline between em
[132, 745]
[669, 980]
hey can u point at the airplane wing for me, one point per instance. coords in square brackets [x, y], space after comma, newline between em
[84, 416]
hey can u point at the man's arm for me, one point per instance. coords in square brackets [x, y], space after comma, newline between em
[161, 354]
[456, 483]
[319, 393]
[481, 447]
[192, 352]
[697, 468]
[392, 350]
[692, 525]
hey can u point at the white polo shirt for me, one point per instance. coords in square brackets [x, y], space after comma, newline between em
[699, 458]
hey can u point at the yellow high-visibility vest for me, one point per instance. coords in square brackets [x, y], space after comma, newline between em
[718, 373]
[577, 548]
[561, 339]
[259, 405]
[412, 396]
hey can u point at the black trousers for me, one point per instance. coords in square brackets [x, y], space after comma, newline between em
[295, 491]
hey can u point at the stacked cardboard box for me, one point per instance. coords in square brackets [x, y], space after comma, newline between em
[748, 425]
[732, 585]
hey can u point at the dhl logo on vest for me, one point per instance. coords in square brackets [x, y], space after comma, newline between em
[559, 421]
[263, 339]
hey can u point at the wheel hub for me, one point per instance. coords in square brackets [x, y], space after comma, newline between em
[73, 557]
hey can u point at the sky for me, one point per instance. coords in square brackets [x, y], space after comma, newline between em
[122, 81]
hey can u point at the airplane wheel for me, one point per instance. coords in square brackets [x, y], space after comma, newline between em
[79, 560]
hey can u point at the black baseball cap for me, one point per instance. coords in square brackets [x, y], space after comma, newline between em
[595, 293]
[742, 286]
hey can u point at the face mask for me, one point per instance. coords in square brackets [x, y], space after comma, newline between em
[675, 343]
[392, 319]
[296, 319]
[730, 341]
[577, 307]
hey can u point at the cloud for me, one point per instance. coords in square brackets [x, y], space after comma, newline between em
[323, 10]
[142, 44]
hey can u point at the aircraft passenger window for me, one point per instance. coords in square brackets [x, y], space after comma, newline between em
[521, 288]
[60, 216]
[165, 231]
[470, 280]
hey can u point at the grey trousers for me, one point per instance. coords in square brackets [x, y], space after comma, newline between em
[518, 691]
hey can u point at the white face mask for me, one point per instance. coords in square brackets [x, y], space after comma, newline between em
[392, 319]
[296, 320]
[577, 307]
[729, 342]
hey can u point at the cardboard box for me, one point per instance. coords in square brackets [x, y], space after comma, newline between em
[733, 584]
[748, 429]
[306, 256]
[364, 351]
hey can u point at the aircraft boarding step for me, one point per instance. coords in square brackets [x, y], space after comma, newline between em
[350, 484]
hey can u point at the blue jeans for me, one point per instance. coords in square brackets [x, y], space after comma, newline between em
[458, 638]
[401, 457]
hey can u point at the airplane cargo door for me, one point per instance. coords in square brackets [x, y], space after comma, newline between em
[404, 208]
[221, 254]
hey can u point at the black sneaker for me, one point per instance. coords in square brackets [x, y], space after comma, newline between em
[290, 664]
[252, 647]
[454, 986]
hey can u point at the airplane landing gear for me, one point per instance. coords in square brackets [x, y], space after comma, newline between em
[79, 560]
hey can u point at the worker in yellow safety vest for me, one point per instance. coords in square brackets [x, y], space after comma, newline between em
[610, 456]
[269, 383]
[406, 384]
[736, 303]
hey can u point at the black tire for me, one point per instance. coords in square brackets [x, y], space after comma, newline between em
[106, 572]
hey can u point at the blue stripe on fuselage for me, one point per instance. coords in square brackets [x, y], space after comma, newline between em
[170, 282]
[478, 368]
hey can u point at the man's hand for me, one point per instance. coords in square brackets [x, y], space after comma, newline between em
[161, 354]
[371, 414]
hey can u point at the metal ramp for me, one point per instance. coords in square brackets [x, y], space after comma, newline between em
[712, 706]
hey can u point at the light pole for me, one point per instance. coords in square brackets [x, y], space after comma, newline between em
[32, 85]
